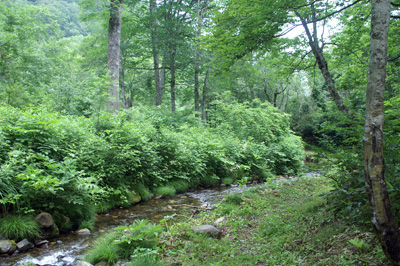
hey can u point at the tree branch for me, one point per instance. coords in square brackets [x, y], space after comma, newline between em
[334, 13]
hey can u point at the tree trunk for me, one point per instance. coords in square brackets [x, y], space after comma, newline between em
[156, 60]
[173, 80]
[113, 60]
[204, 100]
[125, 101]
[322, 64]
[251, 89]
[197, 61]
[374, 167]
[196, 81]
[162, 73]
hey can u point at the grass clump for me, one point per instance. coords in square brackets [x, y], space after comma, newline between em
[179, 185]
[18, 227]
[103, 250]
[165, 191]
[138, 241]
[227, 181]
[88, 224]
[143, 191]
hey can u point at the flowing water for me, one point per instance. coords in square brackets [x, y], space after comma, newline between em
[66, 249]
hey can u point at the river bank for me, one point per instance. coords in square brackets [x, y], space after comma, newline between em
[284, 223]
[66, 249]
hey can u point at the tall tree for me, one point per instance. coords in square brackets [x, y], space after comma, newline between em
[156, 57]
[317, 50]
[114, 48]
[243, 27]
[374, 166]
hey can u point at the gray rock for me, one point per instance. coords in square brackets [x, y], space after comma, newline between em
[41, 242]
[83, 232]
[50, 232]
[219, 220]
[83, 263]
[24, 245]
[207, 230]
[45, 220]
[120, 263]
[7, 247]
[102, 263]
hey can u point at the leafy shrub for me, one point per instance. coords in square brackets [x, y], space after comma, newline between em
[67, 165]
[348, 198]
[209, 180]
[19, 227]
[140, 234]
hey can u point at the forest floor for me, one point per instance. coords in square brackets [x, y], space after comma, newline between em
[280, 223]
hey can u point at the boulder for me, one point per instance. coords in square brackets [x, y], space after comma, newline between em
[50, 232]
[46, 223]
[45, 220]
[83, 232]
[24, 245]
[207, 230]
[7, 247]
[42, 243]
[83, 263]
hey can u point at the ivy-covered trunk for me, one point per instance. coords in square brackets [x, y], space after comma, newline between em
[374, 166]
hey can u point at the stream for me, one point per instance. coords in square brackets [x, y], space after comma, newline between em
[66, 249]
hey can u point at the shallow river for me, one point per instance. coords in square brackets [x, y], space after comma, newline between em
[66, 249]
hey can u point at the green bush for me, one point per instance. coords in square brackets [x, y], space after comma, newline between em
[209, 180]
[68, 165]
[18, 227]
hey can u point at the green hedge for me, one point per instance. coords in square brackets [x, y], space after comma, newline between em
[66, 165]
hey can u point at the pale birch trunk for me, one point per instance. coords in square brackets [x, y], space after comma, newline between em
[374, 166]
[113, 60]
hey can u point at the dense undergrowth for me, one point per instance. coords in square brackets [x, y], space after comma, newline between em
[75, 166]
[339, 155]
[279, 223]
